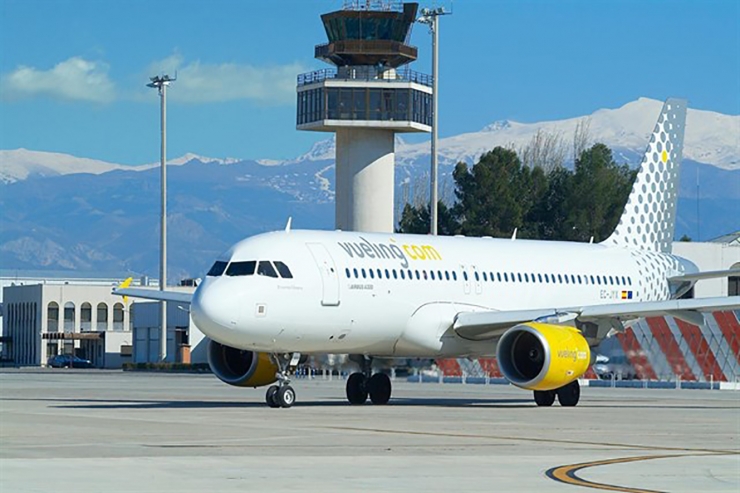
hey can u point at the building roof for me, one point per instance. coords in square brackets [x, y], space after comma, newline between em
[728, 239]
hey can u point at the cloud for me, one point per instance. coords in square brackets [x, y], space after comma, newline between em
[210, 83]
[74, 79]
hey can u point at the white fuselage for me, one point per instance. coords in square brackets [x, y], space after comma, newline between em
[397, 295]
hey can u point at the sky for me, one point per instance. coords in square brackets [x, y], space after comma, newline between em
[73, 73]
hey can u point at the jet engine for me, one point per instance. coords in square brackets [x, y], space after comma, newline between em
[240, 367]
[536, 356]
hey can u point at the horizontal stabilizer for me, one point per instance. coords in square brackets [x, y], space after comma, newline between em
[154, 294]
[710, 274]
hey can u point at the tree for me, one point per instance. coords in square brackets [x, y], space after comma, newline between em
[416, 220]
[597, 195]
[492, 195]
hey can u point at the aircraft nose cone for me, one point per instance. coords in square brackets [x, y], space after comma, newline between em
[215, 309]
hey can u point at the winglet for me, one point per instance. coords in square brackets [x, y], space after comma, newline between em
[123, 285]
[513, 236]
[287, 226]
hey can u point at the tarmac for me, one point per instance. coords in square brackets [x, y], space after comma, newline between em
[110, 431]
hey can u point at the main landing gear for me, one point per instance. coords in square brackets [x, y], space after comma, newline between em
[362, 384]
[282, 394]
[568, 395]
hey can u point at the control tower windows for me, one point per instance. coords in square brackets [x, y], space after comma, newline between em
[364, 104]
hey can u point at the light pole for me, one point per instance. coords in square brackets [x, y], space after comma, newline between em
[161, 83]
[431, 18]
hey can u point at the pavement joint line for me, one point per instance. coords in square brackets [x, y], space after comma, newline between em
[541, 440]
[567, 474]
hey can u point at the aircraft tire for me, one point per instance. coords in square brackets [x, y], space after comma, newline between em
[270, 396]
[544, 397]
[357, 388]
[569, 395]
[379, 388]
[285, 396]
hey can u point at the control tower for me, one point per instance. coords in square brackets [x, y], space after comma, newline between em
[368, 96]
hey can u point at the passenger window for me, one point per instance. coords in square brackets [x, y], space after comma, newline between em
[417, 275]
[217, 269]
[243, 268]
[629, 281]
[447, 275]
[498, 276]
[403, 276]
[346, 272]
[519, 276]
[539, 278]
[454, 275]
[395, 274]
[465, 275]
[485, 277]
[380, 274]
[560, 279]
[431, 273]
[265, 268]
[439, 275]
[372, 275]
[363, 273]
[285, 271]
[356, 274]
[579, 279]
[506, 277]
[526, 277]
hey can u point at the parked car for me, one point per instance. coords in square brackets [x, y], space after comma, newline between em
[69, 361]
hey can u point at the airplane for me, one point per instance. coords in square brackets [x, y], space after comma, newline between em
[540, 307]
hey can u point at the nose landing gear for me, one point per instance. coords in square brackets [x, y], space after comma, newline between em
[362, 384]
[282, 394]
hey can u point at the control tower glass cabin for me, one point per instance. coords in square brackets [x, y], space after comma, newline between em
[368, 96]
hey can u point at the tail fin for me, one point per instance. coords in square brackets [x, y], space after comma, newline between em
[649, 218]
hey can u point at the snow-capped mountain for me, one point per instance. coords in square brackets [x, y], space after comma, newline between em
[62, 212]
[19, 164]
[711, 138]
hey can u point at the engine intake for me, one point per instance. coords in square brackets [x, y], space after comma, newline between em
[537, 356]
[240, 367]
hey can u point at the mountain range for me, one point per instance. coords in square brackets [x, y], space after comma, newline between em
[66, 212]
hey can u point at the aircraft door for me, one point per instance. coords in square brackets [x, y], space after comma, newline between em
[465, 278]
[329, 275]
[476, 279]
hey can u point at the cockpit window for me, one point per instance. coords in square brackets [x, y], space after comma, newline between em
[217, 269]
[265, 268]
[241, 268]
[283, 270]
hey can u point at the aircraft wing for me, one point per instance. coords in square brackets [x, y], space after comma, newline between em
[155, 294]
[491, 324]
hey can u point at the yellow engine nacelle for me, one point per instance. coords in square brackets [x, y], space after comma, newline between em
[537, 356]
[240, 367]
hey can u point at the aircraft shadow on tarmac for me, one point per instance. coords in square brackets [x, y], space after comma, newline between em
[203, 404]
[524, 403]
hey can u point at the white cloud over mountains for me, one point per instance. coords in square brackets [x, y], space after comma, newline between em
[210, 82]
[74, 79]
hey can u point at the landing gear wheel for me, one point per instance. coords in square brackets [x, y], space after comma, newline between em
[569, 394]
[544, 397]
[356, 388]
[379, 388]
[270, 396]
[285, 396]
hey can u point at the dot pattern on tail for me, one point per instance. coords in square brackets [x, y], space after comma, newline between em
[649, 218]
